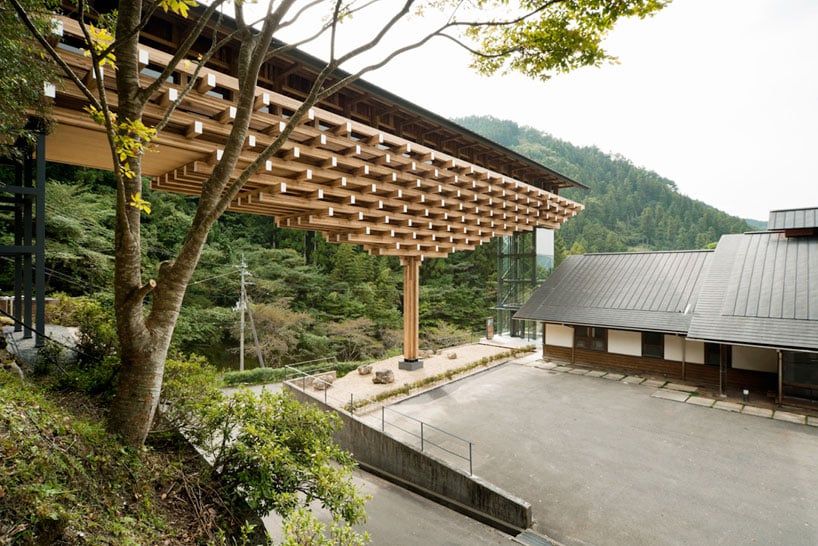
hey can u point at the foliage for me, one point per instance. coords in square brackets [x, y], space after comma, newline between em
[278, 454]
[627, 207]
[22, 84]
[355, 339]
[65, 480]
[302, 528]
[560, 37]
[442, 335]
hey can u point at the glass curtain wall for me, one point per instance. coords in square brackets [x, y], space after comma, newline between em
[524, 260]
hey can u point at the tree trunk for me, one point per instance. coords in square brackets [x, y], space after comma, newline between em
[138, 388]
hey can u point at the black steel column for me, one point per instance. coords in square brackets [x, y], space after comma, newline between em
[17, 310]
[28, 299]
[39, 274]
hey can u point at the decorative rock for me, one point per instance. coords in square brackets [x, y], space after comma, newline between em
[366, 369]
[383, 376]
[323, 381]
[451, 356]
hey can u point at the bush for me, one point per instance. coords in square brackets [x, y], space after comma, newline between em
[280, 455]
[255, 376]
[443, 335]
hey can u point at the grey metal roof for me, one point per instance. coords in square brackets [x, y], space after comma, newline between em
[642, 290]
[793, 218]
[761, 289]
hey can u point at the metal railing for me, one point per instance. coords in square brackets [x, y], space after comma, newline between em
[403, 428]
[426, 440]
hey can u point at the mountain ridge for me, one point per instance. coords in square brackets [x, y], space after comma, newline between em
[627, 207]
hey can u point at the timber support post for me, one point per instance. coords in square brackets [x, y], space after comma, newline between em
[411, 287]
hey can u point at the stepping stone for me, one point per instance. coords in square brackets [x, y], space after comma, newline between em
[596, 373]
[758, 412]
[545, 365]
[579, 371]
[614, 376]
[700, 401]
[633, 379]
[789, 417]
[812, 421]
[728, 406]
[676, 396]
[680, 387]
[655, 383]
[563, 368]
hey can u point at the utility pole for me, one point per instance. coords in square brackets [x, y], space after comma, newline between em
[243, 307]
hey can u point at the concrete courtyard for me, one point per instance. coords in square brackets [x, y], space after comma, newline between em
[604, 463]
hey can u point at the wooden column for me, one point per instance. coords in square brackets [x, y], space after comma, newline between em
[411, 270]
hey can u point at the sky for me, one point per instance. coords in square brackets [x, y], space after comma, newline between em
[720, 96]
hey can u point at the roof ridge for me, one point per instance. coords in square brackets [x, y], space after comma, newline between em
[637, 252]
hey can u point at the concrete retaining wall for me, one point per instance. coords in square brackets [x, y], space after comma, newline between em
[426, 475]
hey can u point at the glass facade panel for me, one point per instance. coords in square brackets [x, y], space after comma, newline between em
[524, 260]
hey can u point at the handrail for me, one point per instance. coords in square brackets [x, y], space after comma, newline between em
[425, 442]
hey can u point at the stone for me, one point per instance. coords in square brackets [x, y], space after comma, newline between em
[728, 406]
[596, 373]
[633, 379]
[366, 369]
[563, 369]
[547, 365]
[680, 387]
[579, 371]
[675, 396]
[700, 401]
[383, 377]
[758, 412]
[812, 421]
[655, 383]
[614, 376]
[322, 381]
[790, 417]
[451, 356]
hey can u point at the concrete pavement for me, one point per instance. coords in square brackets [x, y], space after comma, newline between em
[396, 517]
[605, 463]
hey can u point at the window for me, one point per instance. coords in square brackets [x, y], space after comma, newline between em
[714, 352]
[653, 344]
[594, 339]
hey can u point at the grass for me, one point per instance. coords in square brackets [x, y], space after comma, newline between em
[65, 480]
[432, 379]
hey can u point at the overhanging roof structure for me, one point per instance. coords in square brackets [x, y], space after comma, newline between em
[343, 178]
[654, 291]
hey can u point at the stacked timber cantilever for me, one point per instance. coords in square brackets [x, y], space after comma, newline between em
[342, 178]
[345, 179]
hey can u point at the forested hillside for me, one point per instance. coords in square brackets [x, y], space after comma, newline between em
[312, 299]
[627, 207]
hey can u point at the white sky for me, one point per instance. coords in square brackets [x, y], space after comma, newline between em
[720, 96]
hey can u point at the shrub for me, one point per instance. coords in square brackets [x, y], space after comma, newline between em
[276, 453]
[443, 335]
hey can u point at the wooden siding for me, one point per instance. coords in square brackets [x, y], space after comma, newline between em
[695, 373]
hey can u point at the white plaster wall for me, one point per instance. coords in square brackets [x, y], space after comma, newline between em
[755, 358]
[694, 352]
[559, 335]
[625, 343]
